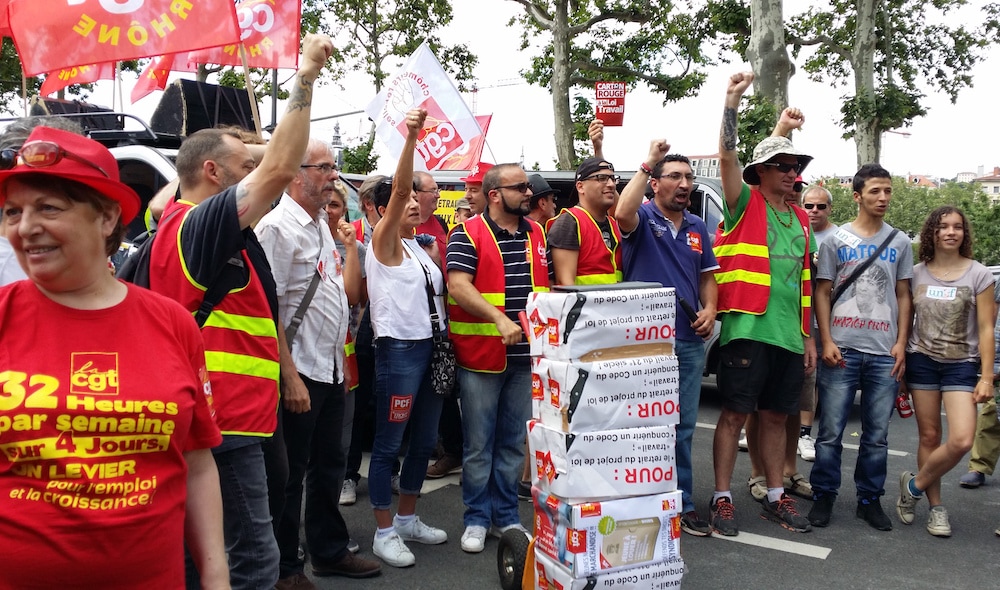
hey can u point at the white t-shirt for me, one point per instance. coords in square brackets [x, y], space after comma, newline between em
[398, 294]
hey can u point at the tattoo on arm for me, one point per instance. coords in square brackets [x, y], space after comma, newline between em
[301, 97]
[729, 129]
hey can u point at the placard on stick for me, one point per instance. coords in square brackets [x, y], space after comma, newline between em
[611, 103]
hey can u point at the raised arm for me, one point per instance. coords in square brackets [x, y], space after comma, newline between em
[791, 119]
[729, 163]
[385, 244]
[627, 212]
[596, 132]
[284, 153]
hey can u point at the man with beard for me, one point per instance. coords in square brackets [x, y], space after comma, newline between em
[665, 243]
[584, 240]
[205, 238]
[310, 275]
[494, 261]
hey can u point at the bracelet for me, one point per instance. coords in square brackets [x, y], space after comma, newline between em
[990, 383]
[645, 168]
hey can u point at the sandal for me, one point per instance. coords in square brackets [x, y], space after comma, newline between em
[758, 487]
[798, 485]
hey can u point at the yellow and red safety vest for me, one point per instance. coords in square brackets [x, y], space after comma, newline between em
[597, 264]
[478, 346]
[744, 276]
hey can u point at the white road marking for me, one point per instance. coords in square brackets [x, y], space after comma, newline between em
[846, 445]
[803, 549]
[430, 485]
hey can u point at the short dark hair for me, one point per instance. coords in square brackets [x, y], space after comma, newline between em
[658, 169]
[930, 228]
[199, 147]
[868, 171]
[491, 180]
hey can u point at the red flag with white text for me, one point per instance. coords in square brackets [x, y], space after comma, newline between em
[4, 21]
[474, 151]
[269, 32]
[154, 75]
[56, 81]
[55, 34]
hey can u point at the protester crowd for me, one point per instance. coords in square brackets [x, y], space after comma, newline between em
[319, 336]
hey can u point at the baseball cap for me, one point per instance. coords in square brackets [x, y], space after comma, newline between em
[477, 173]
[592, 165]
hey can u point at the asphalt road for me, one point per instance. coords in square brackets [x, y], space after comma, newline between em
[847, 554]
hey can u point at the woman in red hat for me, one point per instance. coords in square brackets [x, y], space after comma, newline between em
[105, 415]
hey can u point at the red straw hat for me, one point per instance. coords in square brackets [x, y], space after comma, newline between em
[54, 152]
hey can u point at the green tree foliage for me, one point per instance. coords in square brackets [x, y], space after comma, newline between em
[634, 41]
[886, 50]
[757, 119]
[359, 159]
[911, 205]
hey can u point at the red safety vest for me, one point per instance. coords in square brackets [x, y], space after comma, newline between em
[744, 276]
[359, 230]
[351, 363]
[478, 346]
[597, 264]
[241, 341]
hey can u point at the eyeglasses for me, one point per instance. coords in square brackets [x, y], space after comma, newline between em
[604, 178]
[783, 167]
[435, 190]
[677, 176]
[324, 168]
[42, 154]
[521, 187]
[820, 206]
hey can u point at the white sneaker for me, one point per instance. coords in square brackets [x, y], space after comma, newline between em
[498, 531]
[392, 550]
[474, 539]
[937, 522]
[348, 493]
[743, 445]
[807, 448]
[419, 532]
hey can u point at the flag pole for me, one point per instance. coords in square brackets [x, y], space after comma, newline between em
[24, 91]
[250, 92]
[118, 84]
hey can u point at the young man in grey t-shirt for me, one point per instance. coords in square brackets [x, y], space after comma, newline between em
[863, 336]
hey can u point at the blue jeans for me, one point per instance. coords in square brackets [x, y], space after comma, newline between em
[317, 457]
[837, 387]
[495, 411]
[403, 395]
[691, 364]
[246, 519]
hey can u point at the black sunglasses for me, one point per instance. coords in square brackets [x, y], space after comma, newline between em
[521, 187]
[783, 167]
[820, 206]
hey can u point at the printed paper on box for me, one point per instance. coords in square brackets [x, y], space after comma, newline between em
[665, 575]
[602, 325]
[605, 395]
[604, 464]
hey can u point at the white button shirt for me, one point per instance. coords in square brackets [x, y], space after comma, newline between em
[297, 246]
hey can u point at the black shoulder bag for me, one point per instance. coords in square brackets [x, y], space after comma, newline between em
[861, 268]
[443, 355]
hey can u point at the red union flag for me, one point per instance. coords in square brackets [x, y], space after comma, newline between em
[56, 81]
[4, 21]
[422, 83]
[474, 151]
[611, 103]
[57, 34]
[154, 75]
[269, 32]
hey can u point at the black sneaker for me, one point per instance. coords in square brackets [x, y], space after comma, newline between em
[784, 513]
[524, 491]
[871, 511]
[822, 509]
[724, 517]
[692, 524]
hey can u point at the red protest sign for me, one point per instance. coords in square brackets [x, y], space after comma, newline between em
[611, 103]
[56, 81]
[53, 35]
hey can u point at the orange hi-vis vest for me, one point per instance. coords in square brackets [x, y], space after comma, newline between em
[744, 276]
[597, 264]
[478, 346]
[241, 340]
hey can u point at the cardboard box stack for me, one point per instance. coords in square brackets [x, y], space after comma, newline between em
[602, 437]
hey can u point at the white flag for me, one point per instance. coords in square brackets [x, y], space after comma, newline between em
[423, 83]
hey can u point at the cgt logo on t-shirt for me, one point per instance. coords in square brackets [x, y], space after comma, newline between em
[94, 373]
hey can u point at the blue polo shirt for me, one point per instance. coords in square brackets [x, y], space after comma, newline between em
[651, 252]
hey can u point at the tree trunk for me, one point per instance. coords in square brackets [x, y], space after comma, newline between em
[560, 86]
[867, 129]
[767, 52]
